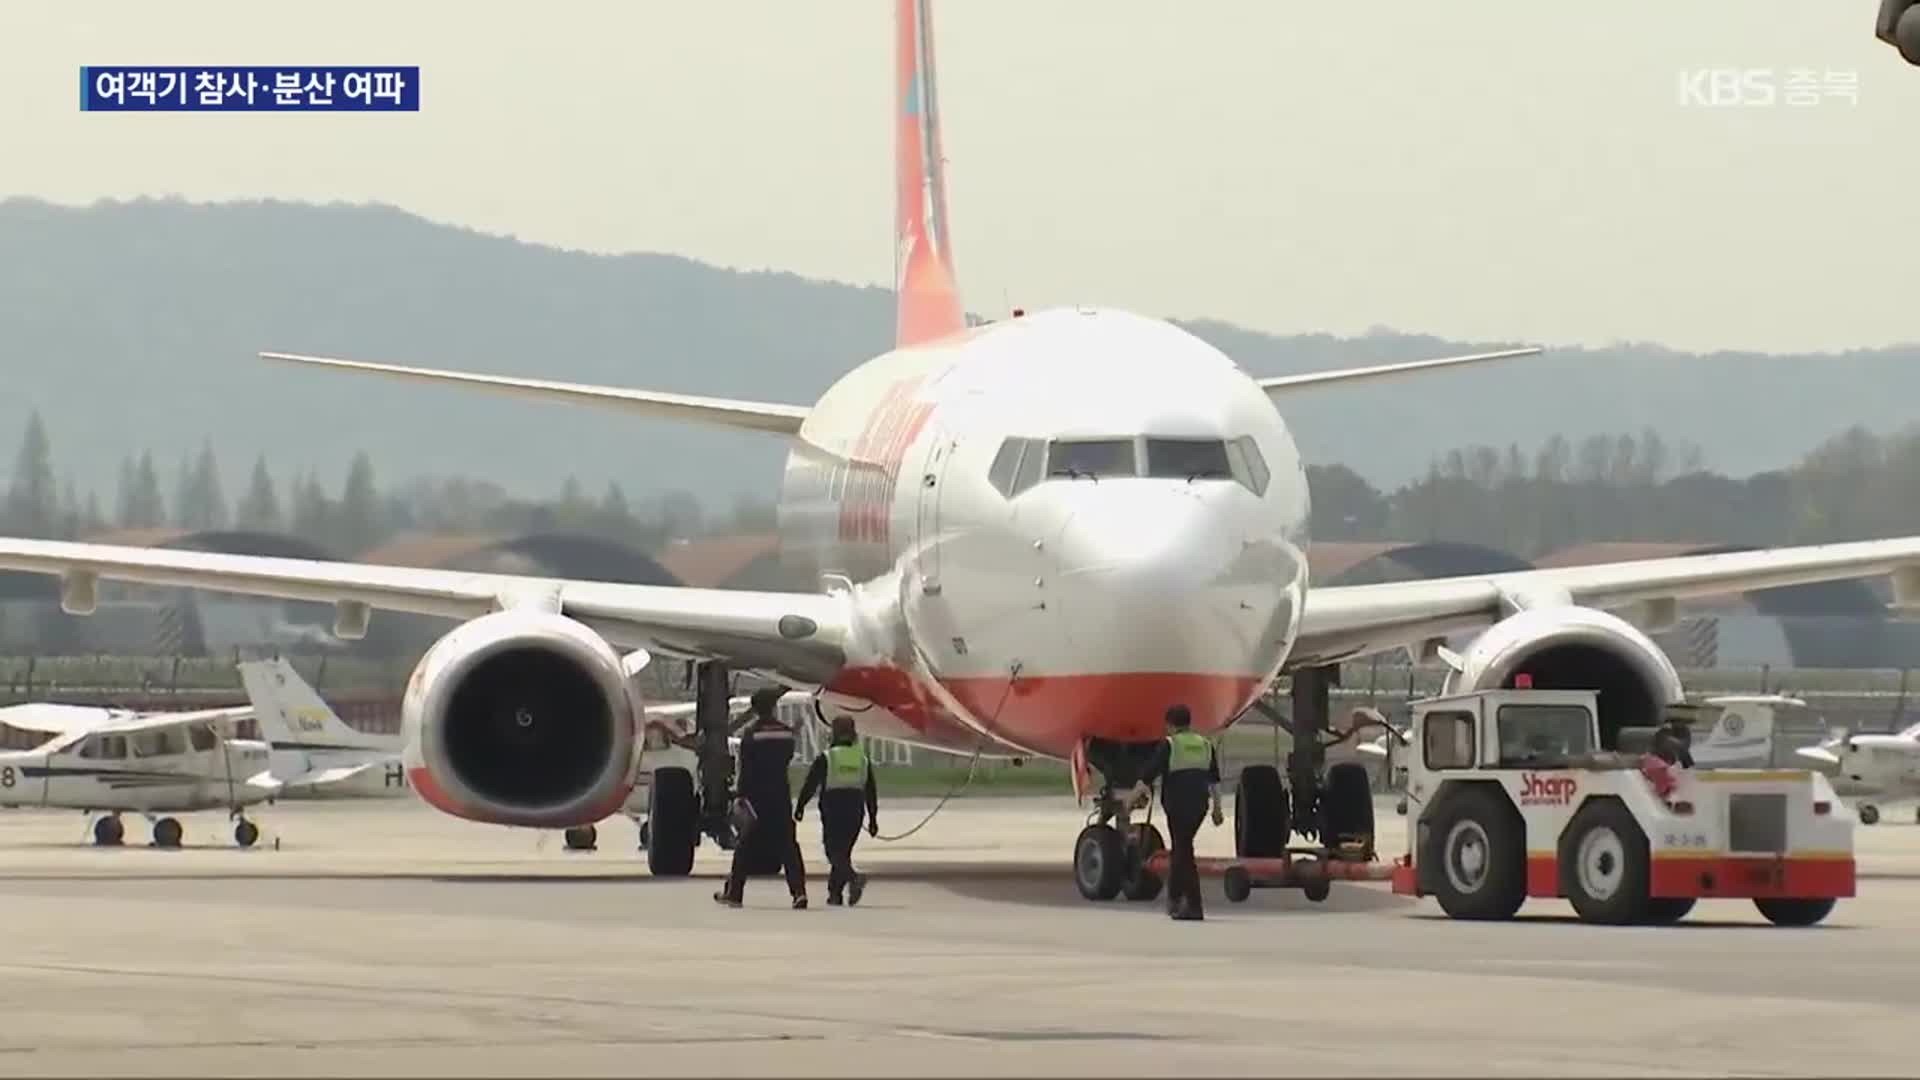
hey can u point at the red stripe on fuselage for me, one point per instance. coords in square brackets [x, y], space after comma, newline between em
[1051, 714]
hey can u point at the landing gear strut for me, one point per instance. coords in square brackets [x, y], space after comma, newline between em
[1110, 856]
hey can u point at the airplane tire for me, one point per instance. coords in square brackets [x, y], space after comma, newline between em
[1869, 814]
[245, 833]
[1606, 866]
[109, 832]
[1348, 806]
[673, 823]
[1794, 912]
[1099, 862]
[582, 837]
[167, 833]
[1260, 813]
[1478, 849]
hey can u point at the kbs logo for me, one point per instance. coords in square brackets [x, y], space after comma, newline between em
[1546, 790]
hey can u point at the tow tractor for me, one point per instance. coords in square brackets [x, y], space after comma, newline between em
[1511, 797]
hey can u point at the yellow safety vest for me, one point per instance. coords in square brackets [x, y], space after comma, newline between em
[1188, 751]
[846, 767]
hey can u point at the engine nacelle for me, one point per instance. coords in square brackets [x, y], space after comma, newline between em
[523, 718]
[1575, 648]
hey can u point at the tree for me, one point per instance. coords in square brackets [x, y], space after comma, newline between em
[312, 511]
[202, 504]
[33, 505]
[357, 526]
[259, 509]
[1345, 507]
[141, 506]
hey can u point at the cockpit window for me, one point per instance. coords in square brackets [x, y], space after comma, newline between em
[1017, 466]
[1005, 464]
[1188, 459]
[1091, 457]
[1246, 464]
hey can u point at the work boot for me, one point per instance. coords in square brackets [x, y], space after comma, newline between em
[1186, 914]
[725, 899]
[800, 902]
[833, 899]
[857, 889]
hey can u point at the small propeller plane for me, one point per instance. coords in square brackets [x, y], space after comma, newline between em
[112, 761]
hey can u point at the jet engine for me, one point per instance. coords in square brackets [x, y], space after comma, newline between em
[523, 718]
[1574, 648]
[1899, 26]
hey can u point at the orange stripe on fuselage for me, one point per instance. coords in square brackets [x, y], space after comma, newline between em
[1050, 714]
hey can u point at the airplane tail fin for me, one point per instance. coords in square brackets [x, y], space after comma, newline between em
[928, 298]
[292, 715]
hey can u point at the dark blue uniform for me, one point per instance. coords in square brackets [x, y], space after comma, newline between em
[766, 749]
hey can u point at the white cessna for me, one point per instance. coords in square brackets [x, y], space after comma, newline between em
[1030, 538]
[1874, 767]
[110, 761]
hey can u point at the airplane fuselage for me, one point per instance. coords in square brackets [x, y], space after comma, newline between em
[59, 776]
[1153, 553]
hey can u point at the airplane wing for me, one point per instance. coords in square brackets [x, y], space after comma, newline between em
[1344, 622]
[221, 718]
[725, 412]
[51, 719]
[798, 636]
[1280, 383]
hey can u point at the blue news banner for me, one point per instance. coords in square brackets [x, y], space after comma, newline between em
[249, 89]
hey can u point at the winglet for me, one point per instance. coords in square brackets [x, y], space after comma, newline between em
[1376, 371]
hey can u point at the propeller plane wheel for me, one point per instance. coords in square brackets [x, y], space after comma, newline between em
[167, 833]
[245, 833]
[582, 837]
[109, 832]
[1869, 814]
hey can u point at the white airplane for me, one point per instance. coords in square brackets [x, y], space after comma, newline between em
[315, 754]
[1030, 538]
[1870, 768]
[112, 761]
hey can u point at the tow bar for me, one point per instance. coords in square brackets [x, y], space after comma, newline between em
[1310, 869]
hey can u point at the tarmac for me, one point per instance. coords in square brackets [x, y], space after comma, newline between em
[382, 938]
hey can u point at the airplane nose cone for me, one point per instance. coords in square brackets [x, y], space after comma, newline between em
[1163, 591]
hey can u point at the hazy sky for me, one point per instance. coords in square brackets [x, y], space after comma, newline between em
[1481, 169]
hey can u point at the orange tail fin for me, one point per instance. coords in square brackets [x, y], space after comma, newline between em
[929, 302]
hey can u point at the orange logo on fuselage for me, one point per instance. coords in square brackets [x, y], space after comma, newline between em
[873, 465]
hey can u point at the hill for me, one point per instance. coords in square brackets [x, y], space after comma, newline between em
[135, 324]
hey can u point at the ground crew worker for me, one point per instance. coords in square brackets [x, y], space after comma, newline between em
[1189, 772]
[842, 774]
[766, 749]
[1673, 742]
